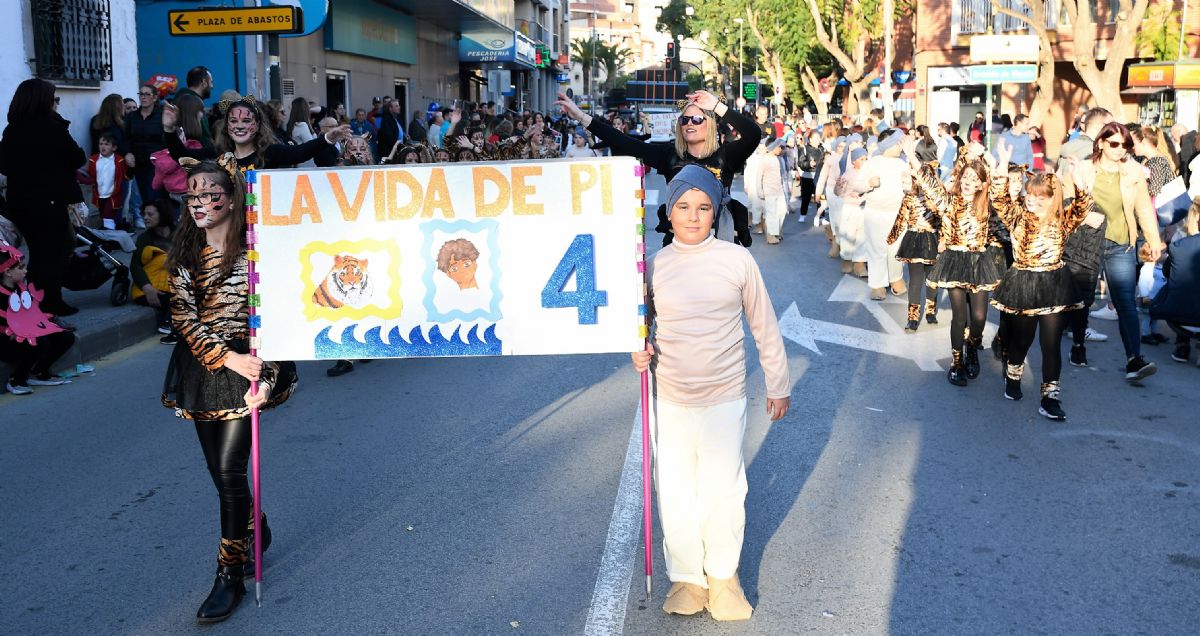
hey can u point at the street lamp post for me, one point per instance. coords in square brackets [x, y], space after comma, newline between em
[741, 47]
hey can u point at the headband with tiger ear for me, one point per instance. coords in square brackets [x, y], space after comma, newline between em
[225, 104]
[226, 162]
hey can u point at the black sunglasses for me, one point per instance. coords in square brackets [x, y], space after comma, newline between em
[1115, 144]
[695, 120]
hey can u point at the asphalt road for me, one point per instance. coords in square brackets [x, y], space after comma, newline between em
[476, 496]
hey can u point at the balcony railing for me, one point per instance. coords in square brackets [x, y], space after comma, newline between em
[72, 41]
[975, 16]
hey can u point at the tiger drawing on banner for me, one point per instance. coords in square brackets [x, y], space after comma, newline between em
[346, 284]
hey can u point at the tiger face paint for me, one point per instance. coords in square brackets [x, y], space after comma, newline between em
[241, 125]
[206, 201]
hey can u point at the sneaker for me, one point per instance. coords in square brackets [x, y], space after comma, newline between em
[169, 339]
[1149, 340]
[1105, 313]
[1181, 353]
[1052, 409]
[84, 369]
[1138, 369]
[1078, 356]
[164, 330]
[18, 389]
[47, 380]
[342, 367]
[1012, 389]
[1091, 335]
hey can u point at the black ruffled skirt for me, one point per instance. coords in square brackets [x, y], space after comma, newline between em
[998, 257]
[975, 271]
[918, 247]
[197, 393]
[1028, 293]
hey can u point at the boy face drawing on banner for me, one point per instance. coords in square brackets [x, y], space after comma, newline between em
[459, 259]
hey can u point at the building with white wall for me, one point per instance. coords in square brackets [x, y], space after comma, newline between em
[87, 48]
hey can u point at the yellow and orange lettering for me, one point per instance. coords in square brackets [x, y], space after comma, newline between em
[521, 190]
[398, 180]
[264, 203]
[380, 195]
[583, 177]
[304, 202]
[483, 175]
[437, 195]
[349, 210]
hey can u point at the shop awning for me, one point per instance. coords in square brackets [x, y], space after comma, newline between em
[1143, 90]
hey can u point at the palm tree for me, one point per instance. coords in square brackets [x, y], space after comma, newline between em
[613, 59]
[586, 54]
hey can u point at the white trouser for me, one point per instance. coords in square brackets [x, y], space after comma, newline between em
[775, 209]
[850, 232]
[701, 478]
[834, 203]
[882, 266]
[756, 207]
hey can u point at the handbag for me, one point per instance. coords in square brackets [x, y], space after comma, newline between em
[1172, 202]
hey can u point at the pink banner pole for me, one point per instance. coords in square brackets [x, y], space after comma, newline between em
[647, 529]
[255, 463]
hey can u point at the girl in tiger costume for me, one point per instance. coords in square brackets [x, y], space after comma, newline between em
[208, 378]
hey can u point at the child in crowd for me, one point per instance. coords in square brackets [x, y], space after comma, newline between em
[148, 267]
[30, 340]
[106, 171]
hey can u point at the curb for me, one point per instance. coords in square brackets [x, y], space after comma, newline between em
[102, 336]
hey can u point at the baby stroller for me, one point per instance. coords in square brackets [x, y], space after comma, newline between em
[91, 266]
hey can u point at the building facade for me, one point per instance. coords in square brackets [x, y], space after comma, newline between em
[87, 48]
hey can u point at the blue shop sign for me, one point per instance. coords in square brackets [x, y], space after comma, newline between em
[373, 30]
[526, 51]
[487, 46]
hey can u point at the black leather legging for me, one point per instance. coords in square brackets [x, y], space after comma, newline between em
[968, 307]
[226, 445]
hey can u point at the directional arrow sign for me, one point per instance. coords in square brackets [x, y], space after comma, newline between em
[235, 21]
[925, 348]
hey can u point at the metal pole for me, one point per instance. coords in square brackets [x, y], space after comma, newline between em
[1182, 30]
[741, 48]
[273, 61]
[987, 118]
[885, 82]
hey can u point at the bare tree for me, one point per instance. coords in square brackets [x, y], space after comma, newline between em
[855, 62]
[1036, 19]
[1104, 83]
[812, 86]
[773, 65]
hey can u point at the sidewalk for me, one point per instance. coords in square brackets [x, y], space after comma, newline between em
[101, 328]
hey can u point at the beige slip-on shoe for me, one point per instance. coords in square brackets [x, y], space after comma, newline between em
[685, 599]
[726, 601]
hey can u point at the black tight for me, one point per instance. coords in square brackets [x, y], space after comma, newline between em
[1079, 322]
[226, 445]
[967, 305]
[916, 284]
[1020, 338]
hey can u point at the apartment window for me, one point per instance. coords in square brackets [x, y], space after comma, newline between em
[72, 41]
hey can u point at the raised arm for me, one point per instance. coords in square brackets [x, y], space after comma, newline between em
[749, 134]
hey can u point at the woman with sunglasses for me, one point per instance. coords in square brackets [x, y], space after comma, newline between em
[698, 130]
[1119, 189]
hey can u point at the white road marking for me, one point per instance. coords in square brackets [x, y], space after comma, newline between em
[923, 348]
[610, 597]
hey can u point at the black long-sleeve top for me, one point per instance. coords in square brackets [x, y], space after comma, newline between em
[275, 156]
[729, 159]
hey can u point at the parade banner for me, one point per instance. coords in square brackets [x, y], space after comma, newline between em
[503, 258]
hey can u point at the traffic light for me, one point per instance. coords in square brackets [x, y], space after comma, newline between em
[669, 63]
[672, 54]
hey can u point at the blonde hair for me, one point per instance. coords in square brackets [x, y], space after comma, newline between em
[1191, 223]
[711, 142]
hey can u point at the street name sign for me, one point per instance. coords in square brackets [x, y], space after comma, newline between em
[235, 21]
[1003, 73]
[1004, 48]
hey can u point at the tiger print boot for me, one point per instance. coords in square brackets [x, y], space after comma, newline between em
[266, 542]
[1051, 407]
[914, 318]
[958, 374]
[931, 310]
[228, 589]
[1012, 381]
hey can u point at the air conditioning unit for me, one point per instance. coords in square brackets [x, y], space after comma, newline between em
[288, 88]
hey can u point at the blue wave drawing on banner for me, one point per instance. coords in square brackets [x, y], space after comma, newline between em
[417, 345]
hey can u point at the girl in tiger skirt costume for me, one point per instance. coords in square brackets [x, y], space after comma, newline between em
[208, 378]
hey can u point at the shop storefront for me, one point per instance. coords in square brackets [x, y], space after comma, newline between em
[498, 66]
[1167, 93]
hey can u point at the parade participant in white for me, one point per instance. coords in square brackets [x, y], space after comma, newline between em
[884, 179]
[700, 290]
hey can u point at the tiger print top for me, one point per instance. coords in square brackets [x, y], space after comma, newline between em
[960, 229]
[914, 215]
[210, 313]
[1038, 247]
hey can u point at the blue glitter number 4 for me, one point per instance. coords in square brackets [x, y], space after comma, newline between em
[580, 259]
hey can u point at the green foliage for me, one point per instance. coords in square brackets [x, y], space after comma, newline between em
[1159, 36]
[674, 20]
